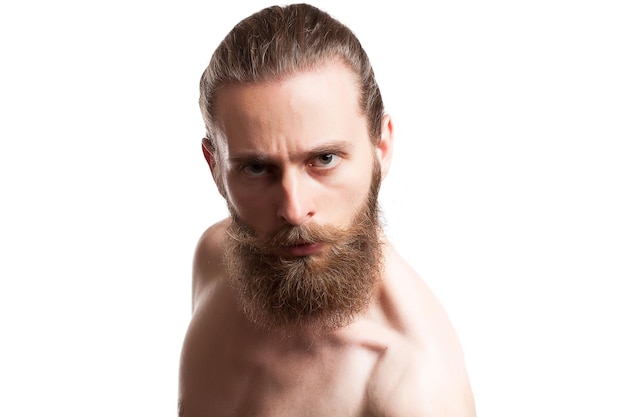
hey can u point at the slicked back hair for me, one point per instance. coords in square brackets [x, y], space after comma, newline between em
[279, 41]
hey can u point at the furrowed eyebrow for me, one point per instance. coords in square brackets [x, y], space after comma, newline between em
[337, 147]
[250, 159]
[341, 148]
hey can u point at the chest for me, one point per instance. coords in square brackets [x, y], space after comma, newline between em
[315, 382]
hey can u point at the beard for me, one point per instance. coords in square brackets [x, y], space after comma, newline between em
[323, 291]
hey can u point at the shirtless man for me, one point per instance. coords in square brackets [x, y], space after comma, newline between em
[301, 307]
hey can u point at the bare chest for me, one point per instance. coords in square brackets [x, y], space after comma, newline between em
[316, 382]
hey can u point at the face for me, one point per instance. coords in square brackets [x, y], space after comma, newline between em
[300, 173]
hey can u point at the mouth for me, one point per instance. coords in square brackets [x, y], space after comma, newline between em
[303, 249]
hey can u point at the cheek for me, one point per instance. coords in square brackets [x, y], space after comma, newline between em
[360, 179]
[247, 203]
[348, 194]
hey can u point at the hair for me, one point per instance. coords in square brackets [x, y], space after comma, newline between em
[279, 41]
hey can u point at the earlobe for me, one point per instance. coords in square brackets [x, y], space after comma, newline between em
[384, 149]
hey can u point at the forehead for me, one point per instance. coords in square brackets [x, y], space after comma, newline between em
[322, 104]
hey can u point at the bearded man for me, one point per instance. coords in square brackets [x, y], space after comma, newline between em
[301, 307]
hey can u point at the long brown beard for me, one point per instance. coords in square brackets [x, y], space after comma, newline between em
[324, 291]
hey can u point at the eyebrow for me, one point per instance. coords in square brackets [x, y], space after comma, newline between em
[340, 148]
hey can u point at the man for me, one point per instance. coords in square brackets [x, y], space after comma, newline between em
[301, 307]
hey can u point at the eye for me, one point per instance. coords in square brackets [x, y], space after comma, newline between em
[254, 169]
[326, 160]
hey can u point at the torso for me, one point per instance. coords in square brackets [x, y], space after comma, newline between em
[237, 370]
[231, 368]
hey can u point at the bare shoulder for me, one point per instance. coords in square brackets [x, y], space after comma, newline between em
[421, 367]
[207, 261]
[204, 345]
[409, 381]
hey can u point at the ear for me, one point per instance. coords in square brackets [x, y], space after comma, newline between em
[209, 154]
[384, 149]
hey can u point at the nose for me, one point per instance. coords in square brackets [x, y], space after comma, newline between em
[295, 204]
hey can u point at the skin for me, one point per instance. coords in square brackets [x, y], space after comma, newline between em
[290, 152]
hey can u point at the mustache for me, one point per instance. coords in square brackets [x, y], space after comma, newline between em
[287, 236]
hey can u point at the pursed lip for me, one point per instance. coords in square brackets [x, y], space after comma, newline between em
[305, 249]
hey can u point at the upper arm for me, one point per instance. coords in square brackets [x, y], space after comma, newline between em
[420, 382]
[207, 261]
[438, 385]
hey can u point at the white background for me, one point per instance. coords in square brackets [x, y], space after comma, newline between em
[507, 193]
